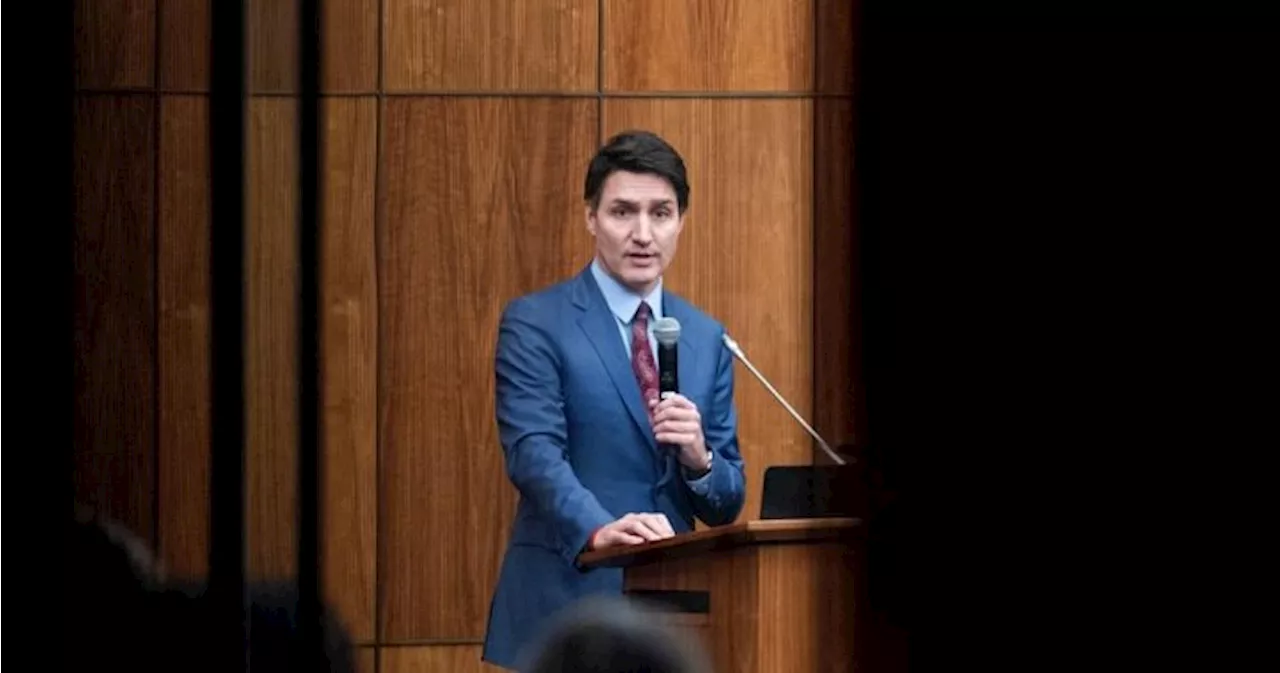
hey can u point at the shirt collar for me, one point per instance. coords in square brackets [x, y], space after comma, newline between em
[624, 301]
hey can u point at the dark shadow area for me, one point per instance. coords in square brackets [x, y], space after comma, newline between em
[121, 612]
[1054, 204]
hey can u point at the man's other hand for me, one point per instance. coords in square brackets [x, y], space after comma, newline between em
[633, 529]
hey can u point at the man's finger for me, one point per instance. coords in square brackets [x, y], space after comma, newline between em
[639, 527]
[671, 425]
[677, 414]
[676, 401]
[624, 537]
[660, 523]
[675, 438]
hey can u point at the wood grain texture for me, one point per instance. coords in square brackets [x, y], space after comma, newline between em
[470, 45]
[185, 44]
[272, 41]
[773, 607]
[114, 308]
[271, 288]
[348, 342]
[184, 402]
[114, 44]
[746, 252]
[836, 312]
[725, 45]
[349, 45]
[836, 33]
[366, 659]
[435, 659]
[481, 203]
[701, 543]
[806, 594]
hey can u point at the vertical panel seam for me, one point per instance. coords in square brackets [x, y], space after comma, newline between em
[379, 519]
[600, 10]
[814, 269]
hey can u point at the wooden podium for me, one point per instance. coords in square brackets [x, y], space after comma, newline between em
[763, 596]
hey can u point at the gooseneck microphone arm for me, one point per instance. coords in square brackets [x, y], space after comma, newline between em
[737, 352]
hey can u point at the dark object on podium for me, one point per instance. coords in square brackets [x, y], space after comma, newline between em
[810, 492]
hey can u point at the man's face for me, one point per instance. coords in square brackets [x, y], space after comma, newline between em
[636, 225]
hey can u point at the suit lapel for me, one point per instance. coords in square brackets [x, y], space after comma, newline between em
[602, 330]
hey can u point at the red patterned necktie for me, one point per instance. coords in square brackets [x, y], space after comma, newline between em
[642, 363]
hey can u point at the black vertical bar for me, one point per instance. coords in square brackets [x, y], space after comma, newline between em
[227, 103]
[309, 401]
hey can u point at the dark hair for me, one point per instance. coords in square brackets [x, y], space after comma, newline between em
[637, 152]
[613, 635]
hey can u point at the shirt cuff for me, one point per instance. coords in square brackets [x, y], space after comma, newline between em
[591, 539]
[700, 485]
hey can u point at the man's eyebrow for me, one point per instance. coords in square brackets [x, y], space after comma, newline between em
[629, 202]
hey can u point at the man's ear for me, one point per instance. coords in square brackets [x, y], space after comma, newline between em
[589, 215]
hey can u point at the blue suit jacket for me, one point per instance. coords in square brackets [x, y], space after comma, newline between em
[581, 452]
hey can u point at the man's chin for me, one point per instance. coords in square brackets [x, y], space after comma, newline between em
[640, 281]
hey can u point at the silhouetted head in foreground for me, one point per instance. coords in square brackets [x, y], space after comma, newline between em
[614, 636]
[121, 612]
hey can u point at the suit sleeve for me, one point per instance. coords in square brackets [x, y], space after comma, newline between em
[719, 495]
[532, 427]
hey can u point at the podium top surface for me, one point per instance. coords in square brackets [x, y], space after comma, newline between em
[720, 537]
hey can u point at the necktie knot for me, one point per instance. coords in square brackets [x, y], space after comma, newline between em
[643, 312]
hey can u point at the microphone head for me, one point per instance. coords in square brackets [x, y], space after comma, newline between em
[667, 331]
[732, 345]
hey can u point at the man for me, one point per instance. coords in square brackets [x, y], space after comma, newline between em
[598, 459]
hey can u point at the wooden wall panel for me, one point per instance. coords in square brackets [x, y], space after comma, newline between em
[481, 202]
[836, 352]
[350, 45]
[348, 342]
[435, 659]
[470, 45]
[834, 40]
[271, 288]
[272, 41]
[185, 44]
[184, 335]
[114, 307]
[727, 45]
[366, 660]
[114, 44]
[745, 255]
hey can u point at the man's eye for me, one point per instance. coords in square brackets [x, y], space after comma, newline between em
[619, 212]
[662, 214]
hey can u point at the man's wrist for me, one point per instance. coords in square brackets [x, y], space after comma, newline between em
[702, 469]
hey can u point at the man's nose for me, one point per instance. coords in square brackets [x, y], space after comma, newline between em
[643, 233]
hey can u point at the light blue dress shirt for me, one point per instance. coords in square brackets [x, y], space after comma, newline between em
[623, 303]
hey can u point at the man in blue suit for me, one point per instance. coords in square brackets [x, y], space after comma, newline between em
[598, 459]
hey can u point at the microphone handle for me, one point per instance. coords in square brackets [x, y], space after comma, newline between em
[668, 379]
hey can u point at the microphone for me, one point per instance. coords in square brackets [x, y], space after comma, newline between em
[667, 331]
[737, 352]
